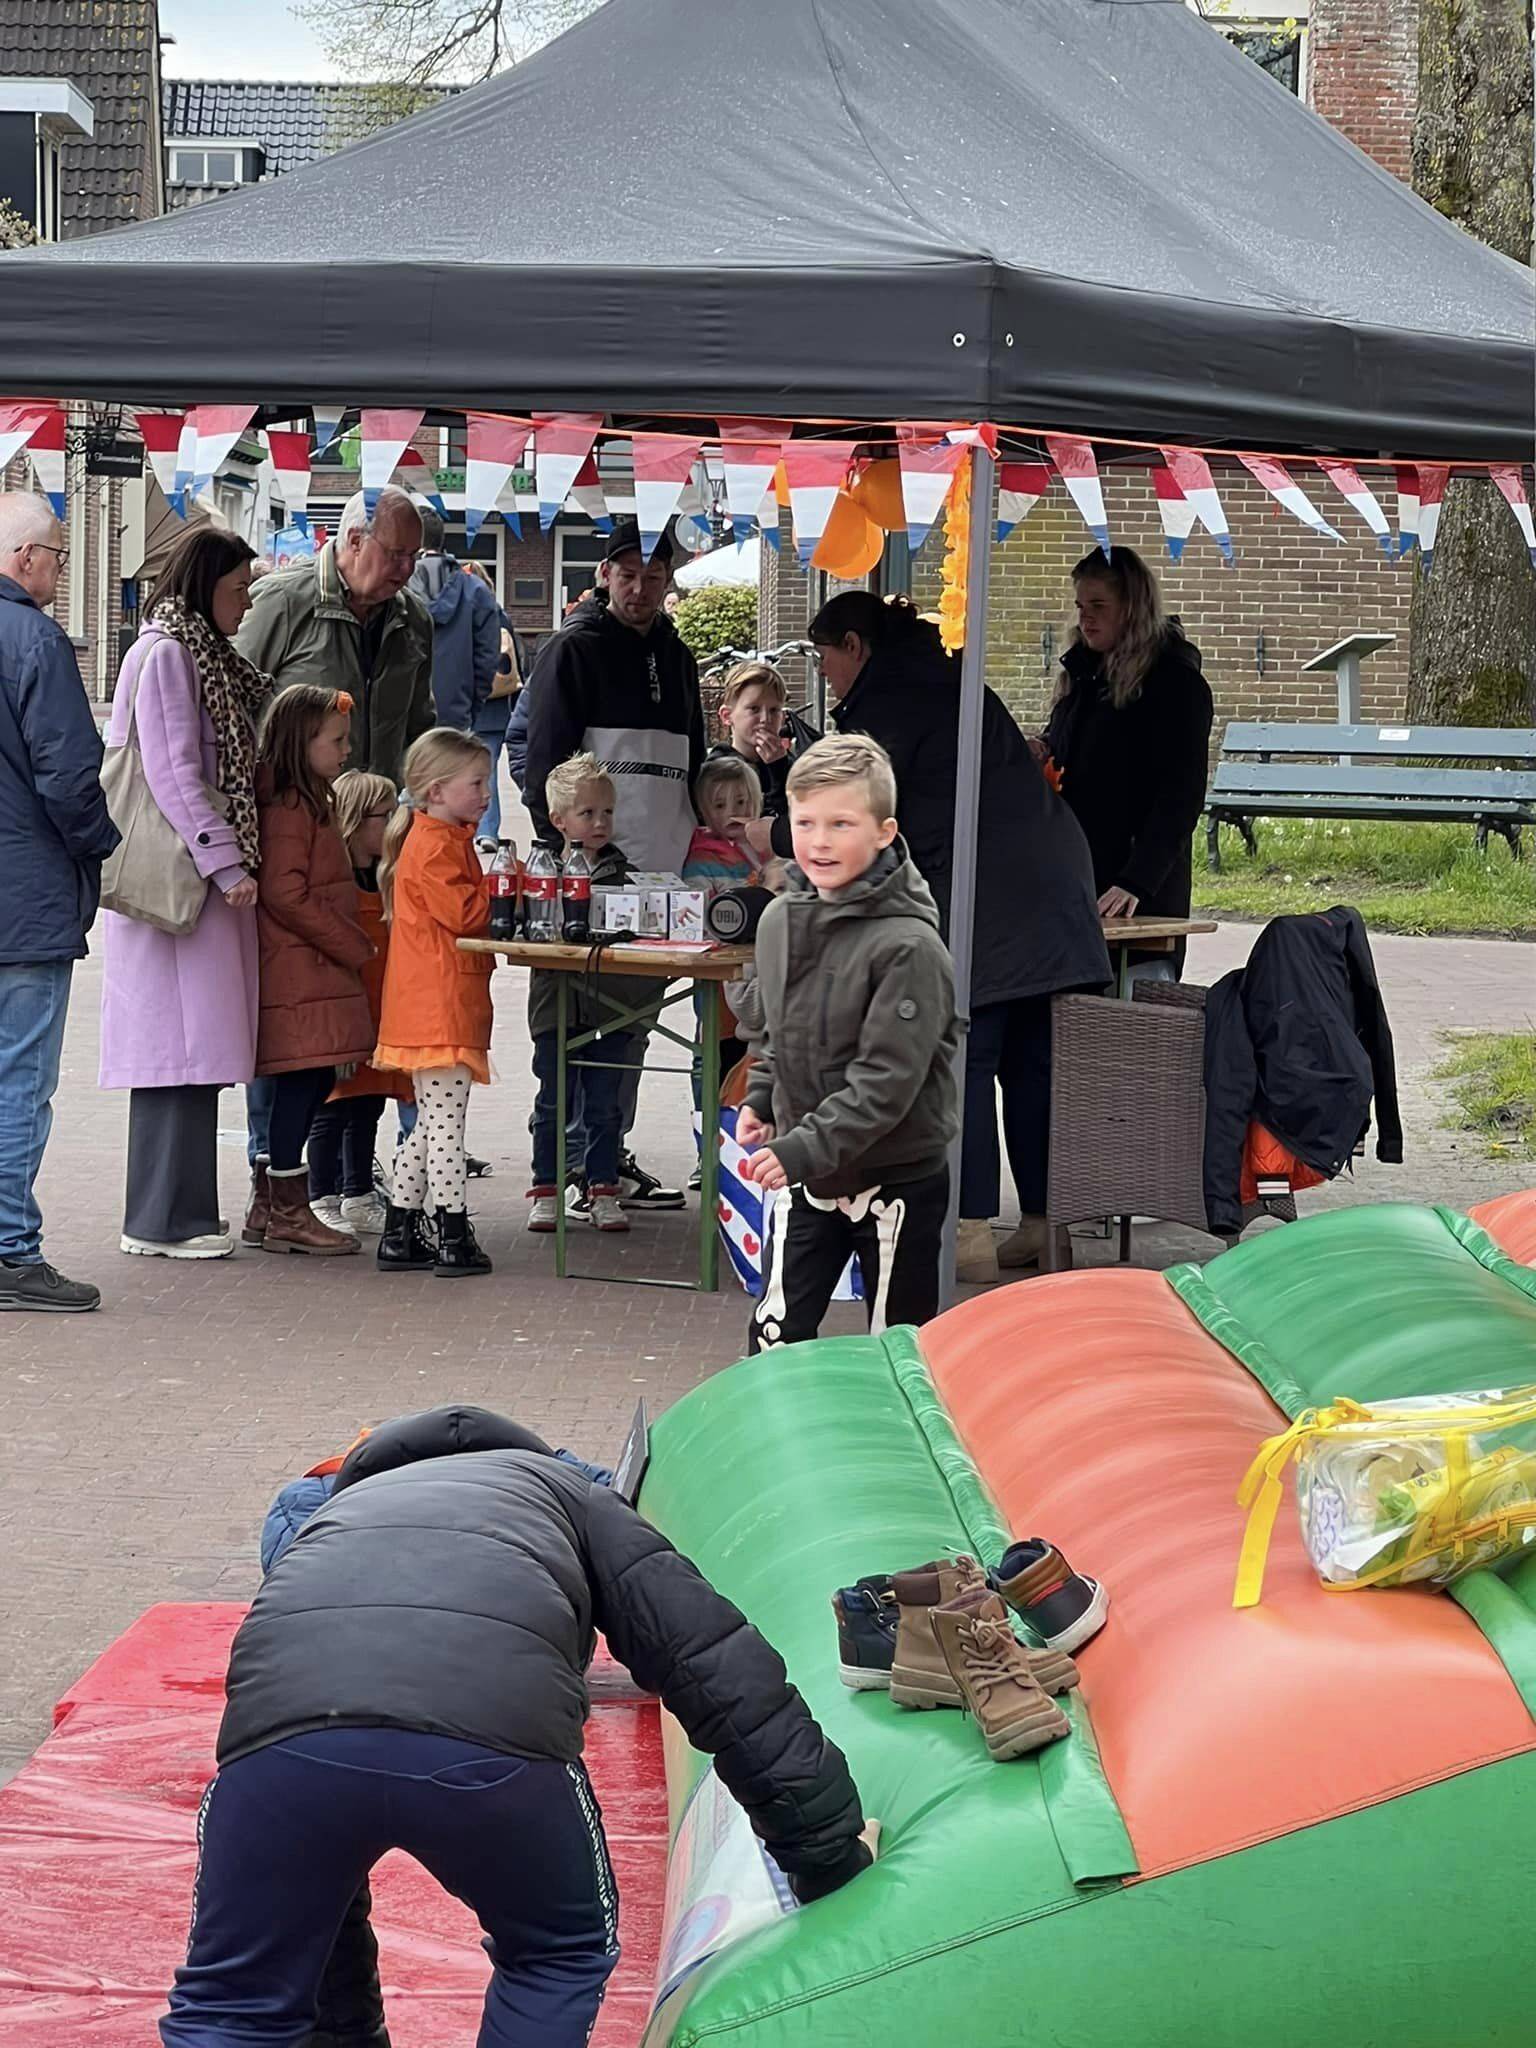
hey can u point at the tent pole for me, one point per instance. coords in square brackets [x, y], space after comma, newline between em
[962, 874]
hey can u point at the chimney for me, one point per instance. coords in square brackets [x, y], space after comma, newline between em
[1363, 74]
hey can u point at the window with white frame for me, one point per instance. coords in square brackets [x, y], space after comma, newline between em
[578, 551]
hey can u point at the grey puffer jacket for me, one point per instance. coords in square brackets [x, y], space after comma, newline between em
[851, 1019]
[459, 1596]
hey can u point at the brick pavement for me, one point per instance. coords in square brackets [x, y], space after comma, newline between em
[143, 1443]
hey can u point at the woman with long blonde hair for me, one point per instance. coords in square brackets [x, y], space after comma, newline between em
[1129, 733]
[435, 1021]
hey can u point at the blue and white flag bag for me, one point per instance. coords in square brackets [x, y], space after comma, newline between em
[744, 1212]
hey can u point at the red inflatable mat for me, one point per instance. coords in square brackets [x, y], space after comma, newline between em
[97, 1853]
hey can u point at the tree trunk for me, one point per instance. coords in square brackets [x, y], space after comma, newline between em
[1473, 659]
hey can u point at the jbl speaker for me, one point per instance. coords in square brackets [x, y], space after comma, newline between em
[735, 914]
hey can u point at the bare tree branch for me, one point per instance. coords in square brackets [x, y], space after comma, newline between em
[428, 42]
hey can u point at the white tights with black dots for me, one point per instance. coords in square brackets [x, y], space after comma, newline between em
[429, 1166]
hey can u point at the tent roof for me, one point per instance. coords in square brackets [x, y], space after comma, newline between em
[1069, 214]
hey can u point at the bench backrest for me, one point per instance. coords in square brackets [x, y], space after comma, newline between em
[1332, 778]
[1437, 742]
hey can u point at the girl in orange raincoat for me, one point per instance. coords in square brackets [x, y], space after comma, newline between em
[435, 1023]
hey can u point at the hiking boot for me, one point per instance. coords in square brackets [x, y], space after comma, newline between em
[543, 1217]
[217, 1246]
[606, 1211]
[293, 1226]
[641, 1190]
[406, 1245]
[259, 1208]
[458, 1251]
[919, 1675]
[363, 1214]
[43, 1287]
[866, 1636]
[1025, 1249]
[1052, 1670]
[1060, 1605]
[990, 1670]
[328, 1209]
[975, 1253]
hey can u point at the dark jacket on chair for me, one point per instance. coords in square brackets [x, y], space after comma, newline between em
[459, 1596]
[1298, 1040]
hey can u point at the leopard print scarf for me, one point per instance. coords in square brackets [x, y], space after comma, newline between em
[234, 693]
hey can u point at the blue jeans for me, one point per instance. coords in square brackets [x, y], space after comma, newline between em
[259, 1097]
[289, 1834]
[593, 1099]
[34, 1001]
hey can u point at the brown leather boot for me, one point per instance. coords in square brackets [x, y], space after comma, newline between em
[259, 1209]
[991, 1671]
[919, 1675]
[292, 1226]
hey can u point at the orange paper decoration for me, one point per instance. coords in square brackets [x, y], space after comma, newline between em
[878, 494]
[955, 579]
[851, 544]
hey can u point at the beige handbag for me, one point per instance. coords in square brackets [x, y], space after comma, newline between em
[150, 875]
[506, 681]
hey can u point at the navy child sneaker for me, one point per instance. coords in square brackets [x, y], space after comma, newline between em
[866, 1634]
[1061, 1606]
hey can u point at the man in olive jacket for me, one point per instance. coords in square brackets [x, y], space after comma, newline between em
[347, 622]
[411, 1675]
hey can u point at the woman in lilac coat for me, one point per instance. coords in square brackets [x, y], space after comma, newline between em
[178, 1015]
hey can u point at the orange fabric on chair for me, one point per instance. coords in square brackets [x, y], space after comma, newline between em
[1104, 1418]
[1510, 1220]
[1265, 1158]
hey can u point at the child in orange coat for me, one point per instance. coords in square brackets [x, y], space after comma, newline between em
[345, 1130]
[435, 1023]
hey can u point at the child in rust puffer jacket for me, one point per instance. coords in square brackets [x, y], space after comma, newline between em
[435, 1024]
[314, 1015]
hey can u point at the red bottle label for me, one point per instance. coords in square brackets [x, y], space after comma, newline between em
[503, 884]
[576, 888]
[541, 888]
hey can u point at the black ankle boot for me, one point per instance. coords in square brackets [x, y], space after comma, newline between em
[458, 1255]
[406, 1245]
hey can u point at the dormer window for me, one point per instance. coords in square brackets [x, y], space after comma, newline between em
[216, 163]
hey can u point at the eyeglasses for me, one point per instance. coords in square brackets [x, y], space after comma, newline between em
[62, 553]
[408, 556]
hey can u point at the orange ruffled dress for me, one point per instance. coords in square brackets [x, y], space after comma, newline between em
[437, 1001]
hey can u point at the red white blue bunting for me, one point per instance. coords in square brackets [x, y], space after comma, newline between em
[1277, 480]
[1192, 473]
[1020, 487]
[562, 443]
[1174, 510]
[1348, 482]
[494, 449]
[1079, 471]
[45, 450]
[1512, 484]
[816, 471]
[385, 434]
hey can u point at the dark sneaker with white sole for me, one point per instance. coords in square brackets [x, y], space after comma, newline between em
[641, 1190]
[43, 1288]
[1062, 1607]
[866, 1635]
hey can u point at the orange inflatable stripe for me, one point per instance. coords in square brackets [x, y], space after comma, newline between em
[1510, 1221]
[1103, 1417]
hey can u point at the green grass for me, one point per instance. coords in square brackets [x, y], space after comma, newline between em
[1401, 878]
[1493, 1084]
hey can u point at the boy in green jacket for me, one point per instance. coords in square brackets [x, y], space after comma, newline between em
[853, 1103]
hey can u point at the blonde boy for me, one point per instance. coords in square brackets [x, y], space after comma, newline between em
[853, 1101]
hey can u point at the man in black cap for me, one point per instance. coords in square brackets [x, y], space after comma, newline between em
[616, 681]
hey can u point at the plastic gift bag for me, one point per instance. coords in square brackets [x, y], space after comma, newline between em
[1411, 1492]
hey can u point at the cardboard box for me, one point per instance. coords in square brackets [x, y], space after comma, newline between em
[685, 914]
[615, 909]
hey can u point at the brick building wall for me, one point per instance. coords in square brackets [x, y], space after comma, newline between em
[1362, 74]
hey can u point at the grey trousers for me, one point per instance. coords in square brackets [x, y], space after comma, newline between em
[173, 1164]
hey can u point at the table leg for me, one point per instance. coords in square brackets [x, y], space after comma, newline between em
[1123, 975]
[1125, 1240]
[561, 1163]
[709, 1146]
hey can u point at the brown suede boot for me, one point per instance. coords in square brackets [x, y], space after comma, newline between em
[919, 1675]
[254, 1228]
[292, 1226]
[1052, 1670]
[1024, 1250]
[991, 1671]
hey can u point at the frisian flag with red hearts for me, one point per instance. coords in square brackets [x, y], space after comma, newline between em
[744, 1209]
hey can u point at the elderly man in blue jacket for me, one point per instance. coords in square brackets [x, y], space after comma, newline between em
[54, 835]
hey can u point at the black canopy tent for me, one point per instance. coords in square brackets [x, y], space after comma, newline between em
[1093, 216]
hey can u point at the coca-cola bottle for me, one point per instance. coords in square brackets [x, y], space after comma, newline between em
[541, 895]
[576, 896]
[503, 887]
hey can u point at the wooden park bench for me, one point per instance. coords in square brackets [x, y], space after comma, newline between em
[1485, 776]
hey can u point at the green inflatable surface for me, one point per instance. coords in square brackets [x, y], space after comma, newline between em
[1004, 1907]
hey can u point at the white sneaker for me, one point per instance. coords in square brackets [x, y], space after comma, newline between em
[605, 1212]
[363, 1214]
[218, 1246]
[543, 1213]
[328, 1209]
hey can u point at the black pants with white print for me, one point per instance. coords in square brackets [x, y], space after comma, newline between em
[895, 1232]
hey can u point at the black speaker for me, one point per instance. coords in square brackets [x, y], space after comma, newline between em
[735, 914]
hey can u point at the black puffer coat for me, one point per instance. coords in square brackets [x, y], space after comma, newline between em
[1037, 922]
[460, 1595]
